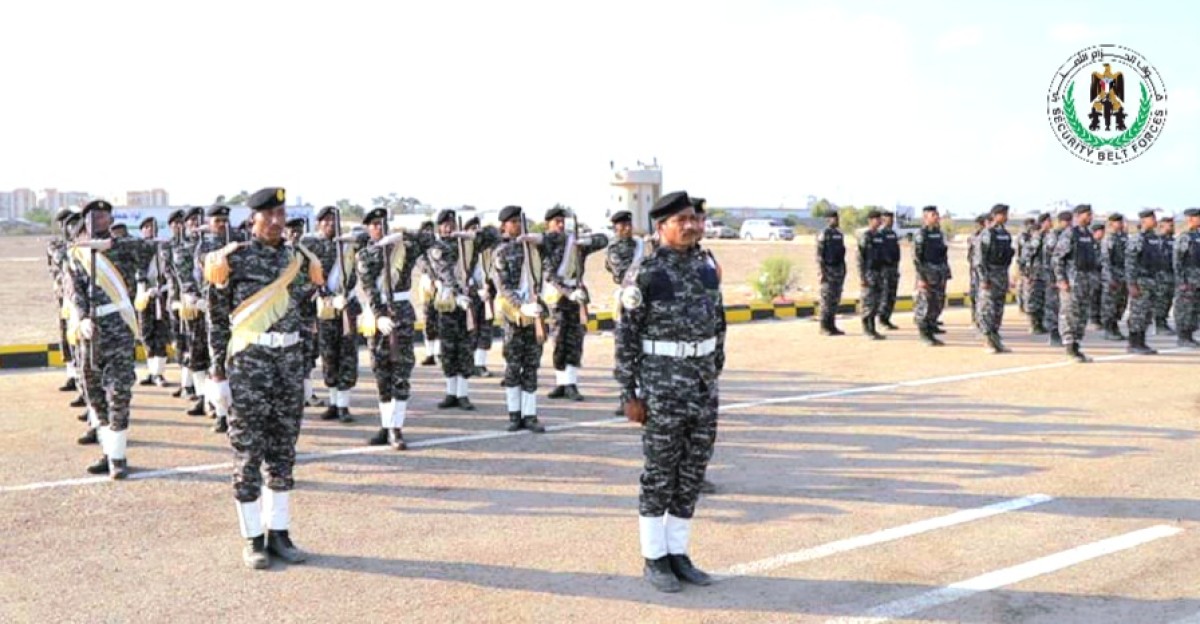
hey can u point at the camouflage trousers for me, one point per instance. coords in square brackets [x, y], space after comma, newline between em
[310, 338]
[182, 333]
[891, 276]
[198, 356]
[677, 441]
[64, 347]
[1034, 288]
[568, 335]
[1022, 300]
[1051, 309]
[431, 320]
[267, 385]
[522, 357]
[339, 351]
[1164, 296]
[108, 385]
[973, 293]
[156, 332]
[872, 294]
[832, 281]
[1097, 294]
[1074, 306]
[392, 376]
[1114, 297]
[993, 290]
[1141, 306]
[931, 300]
[457, 357]
[481, 338]
[1187, 300]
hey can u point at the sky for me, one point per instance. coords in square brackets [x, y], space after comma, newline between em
[746, 103]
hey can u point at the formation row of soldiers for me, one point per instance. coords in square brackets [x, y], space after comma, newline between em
[1069, 271]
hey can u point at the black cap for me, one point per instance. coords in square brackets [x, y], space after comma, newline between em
[71, 219]
[373, 214]
[999, 209]
[62, 214]
[509, 212]
[96, 204]
[1042, 218]
[444, 215]
[1029, 221]
[981, 219]
[698, 203]
[886, 213]
[1082, 208]
[1149, 212]
[194, 211]
[1065, 216]
[296, 222]
[176, 215]
[1192, 212]
[119, 226]
[670, 204]
[1167, 217]
[325, 212]
[1116, 217]
[1097, 226]
[217, 210]
[267, 198]
[247, 224]
[147, 220]
[929, 209]
[874, 213]
[621, 216]
[471, 222]
[555, 212]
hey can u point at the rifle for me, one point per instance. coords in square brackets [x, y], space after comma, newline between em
[580, 258]
[159, 280]
[93, 293]
[393, 338]
[539, 327]
[347, 330]
[464, 264]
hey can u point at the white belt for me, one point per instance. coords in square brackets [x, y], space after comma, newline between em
[679, 349]
[402, 296]
[277, 340]
[109, 308]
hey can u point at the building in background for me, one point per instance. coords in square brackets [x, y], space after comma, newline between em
[633, 189]
[153, 197]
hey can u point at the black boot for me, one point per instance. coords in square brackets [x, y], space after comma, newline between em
[1111, 332]
[448, 402]
[330, 413]
[464, 403]
[221, 426]
[1146, 350]
[161, 381]
[875, 335]
[825, 331]
[682, 566]
[620, 411]
[82, 417]
[1137, 344]
[834, 331]
[531, 423]
[887, 324]
[98, 467]
[379, 439]
[88, 438]
[396, 439]
[995, 344]
[936, 329]
[1036, 328]
[514, 422]
[557, 393]
[1055, 338]
[1184, 339]
[68, 386]
[482, 371]
[343, 415]
[1162, 328]
[571, 393]
[79, 401]
[148, 380]
[254, 553]
[661, 576]
[118, 469]
[189, 393]
[428, 361]
[178, 393]
[1075, 353]
[198, 408]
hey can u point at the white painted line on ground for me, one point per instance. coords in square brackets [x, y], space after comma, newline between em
[886, 535]
[1008, 576]
[493, 435]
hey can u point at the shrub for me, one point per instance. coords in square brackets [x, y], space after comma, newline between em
[776, 277]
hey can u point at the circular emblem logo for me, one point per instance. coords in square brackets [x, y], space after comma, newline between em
[1107, 104]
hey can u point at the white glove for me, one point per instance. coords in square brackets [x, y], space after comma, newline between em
[189, 301]
[391, 239]
[142, 299]
[532, 310]
[87, 329]
[100, 244]
[530, 238]
[384, 325]
[463, 301]
[339, 303]
[219, 394]
[202, 305]
[579, 295]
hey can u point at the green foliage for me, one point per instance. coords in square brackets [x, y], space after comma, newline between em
[350, 210]
[38, 215]
[851, 218]
[790, 221]
[776, 277]
[822, 208]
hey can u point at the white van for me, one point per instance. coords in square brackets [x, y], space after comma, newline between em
[766, 229]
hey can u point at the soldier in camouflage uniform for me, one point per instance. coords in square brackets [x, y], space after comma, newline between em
[103, 315]
[1164, 284]
[1035, 279]
[1186, 261]
[390, 325]
[518, 277]
[259, 369]
[338, 310]
[831, 272]
[1145, 256]
[624, 252]
[891, 269]
[433, 345]
[563, 265]
[1062, 223]
[56, 263]
[193, 304]
[296, 236]
[870, 271]
[1114, 296]
[483, 299]
[933, 273]
[667, 365]
[182, 232]
[1097, 287]
[1076, 262]
[1028, 227]
[981, 223]
[993, 257]
[152, 305]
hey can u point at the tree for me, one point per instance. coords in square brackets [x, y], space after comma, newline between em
[349, 210]
[791, 221]
[822, 208]
[239, 198]
[38, 215]
[776, 277]
[850, 218]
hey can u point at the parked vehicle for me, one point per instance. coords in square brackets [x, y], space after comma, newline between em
[904, 231]
[766, 229]
[717, 229]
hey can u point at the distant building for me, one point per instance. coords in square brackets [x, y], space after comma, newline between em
[153, 197]
[52, 200]
[20, 202]
[634, 190]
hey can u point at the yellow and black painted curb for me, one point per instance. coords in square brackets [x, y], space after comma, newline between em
[43, 355]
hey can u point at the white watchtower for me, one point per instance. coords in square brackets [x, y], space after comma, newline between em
[636, 190]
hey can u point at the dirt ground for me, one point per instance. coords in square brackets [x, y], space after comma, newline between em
[855, 479]
[27, 306]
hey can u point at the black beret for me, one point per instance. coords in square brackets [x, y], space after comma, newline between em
[444, 215]
[874, 214]
[1116, 216]
[1167, 217]
[981, 219]
[267, 198]
[470, 222]
[1065, 216]
[325, 212]
[1149, 212]
[194, 211]
[999, 209]
[296, 222]
[75, 225]
[1082, 208]
[96, 204]
[217, 210]
[621, 216]
[555, 212]
[1029, 221]
[247, 224]
[1192, 212]
[509, 212]
[147, 220]
[119, 226]
[670, 204]
[73, 218]
[1044, 217]
[697, 203]
[886, 213]
[176, 215]
[62, 214]
[929, 209]
[1099, 225]
[373, 214]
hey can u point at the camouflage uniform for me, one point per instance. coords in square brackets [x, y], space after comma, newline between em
[1186, 261]
[1051, 310]
[430, 313]
[931, 266]
[1115, 294]
[339, 348]
[1097, 287]
[993, 257]
[621, 255]
[1023, 268]
[890, 273]
[1164, 288]
[482, 304]
[1034, 280]
[455, 346]
[309, 330]
[155, 319]
[190, 282]
[180, 329]
[517, 281]
[973, 286]
[870, 271]
[56, 266]
[831, 270]
[1145, 259]
[566, 275]
[1076, 260]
